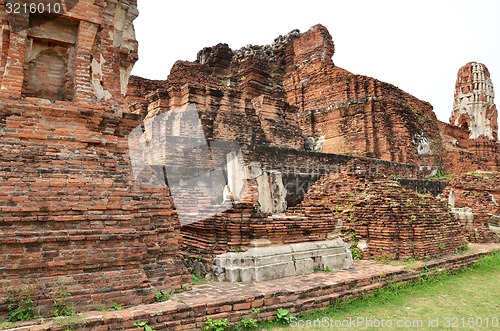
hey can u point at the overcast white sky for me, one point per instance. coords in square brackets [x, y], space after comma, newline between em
[416, 45]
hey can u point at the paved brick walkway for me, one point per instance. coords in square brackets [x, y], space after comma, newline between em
[216, 292]
[189, 310]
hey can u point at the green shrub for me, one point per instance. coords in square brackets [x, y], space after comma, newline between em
[61, 304]
[283, 316]
[143, 324]
[162, 296]
[22, 306]
[216, 325]
[249, 323]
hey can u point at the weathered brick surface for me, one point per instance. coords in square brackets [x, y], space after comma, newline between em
[102, 40]
[471, 141]
[474, 107]
[226, 114]
[70, 209]
[396, 223]
[289, 160]
[209, 235]
[190, 310]
[462, 155]
[479, 191]
[137, 90]
[356, 114]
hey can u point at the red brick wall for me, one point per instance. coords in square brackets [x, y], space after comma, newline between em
[70, 209]
[357, 114]
[479, 191]
[137, 90]
[397, 223]
[226, 114]
[97, 40]
[462, 155]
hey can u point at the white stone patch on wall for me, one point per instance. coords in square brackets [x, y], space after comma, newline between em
[124, 38]
[124, 78]
[464, 215]
[96, 75]
[272, 192]
[451, 199]
[424, 146]
[318, 144]
[236, 175]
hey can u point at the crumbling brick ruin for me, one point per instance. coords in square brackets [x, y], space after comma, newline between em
[111, 184]
[287, 105]
[474, 109]
[473, 198]
[471, 140]
[70, 210]
[323, 99]
[389, 220]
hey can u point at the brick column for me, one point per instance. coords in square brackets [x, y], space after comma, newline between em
[86, 36]
[13, 76]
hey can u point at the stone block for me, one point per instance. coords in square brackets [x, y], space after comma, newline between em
[274, 262]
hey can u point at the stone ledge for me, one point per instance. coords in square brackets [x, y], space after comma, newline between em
[273, 262]
[189, 310]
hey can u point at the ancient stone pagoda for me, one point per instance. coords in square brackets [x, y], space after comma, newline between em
[474, 109]
[71, 212]
[471, 139]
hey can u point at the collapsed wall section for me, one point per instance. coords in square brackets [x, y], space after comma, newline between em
[72, 212]
[390, 221]
[475, 198]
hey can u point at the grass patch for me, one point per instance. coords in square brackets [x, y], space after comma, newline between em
[197, 280]
[471, 292]
[5, 324]
[440, 175]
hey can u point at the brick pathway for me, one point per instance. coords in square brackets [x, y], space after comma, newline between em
[189, 310]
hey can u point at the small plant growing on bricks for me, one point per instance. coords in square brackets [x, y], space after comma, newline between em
[283, 316]
[116, 306]
[143, 325]
[61, 296]
[216, 325]
[162, 296]
[256, 311]
[22, 306]
[249, 323]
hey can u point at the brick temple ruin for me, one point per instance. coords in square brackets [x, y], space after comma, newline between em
[244, 165]
[70, 210]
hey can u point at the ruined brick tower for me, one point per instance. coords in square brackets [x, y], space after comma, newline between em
[474, 107]
[70, 209]
[49, 57]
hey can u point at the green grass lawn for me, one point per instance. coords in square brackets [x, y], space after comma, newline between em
[467, 300]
